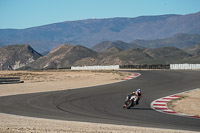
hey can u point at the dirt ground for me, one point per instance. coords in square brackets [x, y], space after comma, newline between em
[41, 81]
[189, 103]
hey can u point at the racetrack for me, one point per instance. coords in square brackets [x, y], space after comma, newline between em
[104, 103]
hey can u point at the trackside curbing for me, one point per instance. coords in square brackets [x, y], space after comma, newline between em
[160, 105]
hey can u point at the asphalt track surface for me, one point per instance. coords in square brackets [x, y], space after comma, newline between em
[103, 104]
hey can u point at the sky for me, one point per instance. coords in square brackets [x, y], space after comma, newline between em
[20, 14]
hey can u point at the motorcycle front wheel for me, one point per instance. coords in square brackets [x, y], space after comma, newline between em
[129, 104]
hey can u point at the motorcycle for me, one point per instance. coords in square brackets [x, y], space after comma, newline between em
[130, 102]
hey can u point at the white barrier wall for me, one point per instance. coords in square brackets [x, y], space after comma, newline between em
[95, 67]
[184, 66]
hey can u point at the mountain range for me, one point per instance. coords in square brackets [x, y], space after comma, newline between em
[93, 31]
[66, 55]
[180, 40]
[105, 53]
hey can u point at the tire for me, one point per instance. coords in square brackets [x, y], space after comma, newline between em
[129, 104]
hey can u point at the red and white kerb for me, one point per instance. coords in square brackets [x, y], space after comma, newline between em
[161, 106]
[134, 75]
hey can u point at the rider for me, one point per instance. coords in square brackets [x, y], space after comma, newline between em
[138, 95]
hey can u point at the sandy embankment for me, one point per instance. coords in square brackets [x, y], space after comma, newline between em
[42, 81]
[189, 103]
[60, 80]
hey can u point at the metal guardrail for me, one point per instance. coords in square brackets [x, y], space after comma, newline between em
[10, 80]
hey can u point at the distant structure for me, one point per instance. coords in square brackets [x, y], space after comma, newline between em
[185, 66]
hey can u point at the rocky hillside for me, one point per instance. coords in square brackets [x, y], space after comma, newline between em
[104, 46]
[66, 55]
[70, 55]
[16, 56]
[93, 31]
[164, 55]
[193, 50]
[63, 56]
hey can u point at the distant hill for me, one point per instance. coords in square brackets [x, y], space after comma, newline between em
[62, 57]
[126, 57]
[180, 40]
[167, 55]
[66, 55]
[164, 55]
[16, 56]
[103, 46]
[69, 55]
[193, 50]
[93, 31]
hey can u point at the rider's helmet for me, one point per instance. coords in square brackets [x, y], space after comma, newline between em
[138, 91]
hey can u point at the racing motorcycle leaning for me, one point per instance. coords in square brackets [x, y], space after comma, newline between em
[130, 102]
